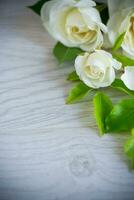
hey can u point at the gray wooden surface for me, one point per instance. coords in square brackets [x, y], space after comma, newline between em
[48, 150]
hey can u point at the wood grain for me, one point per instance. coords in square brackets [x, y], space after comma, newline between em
[48, 150]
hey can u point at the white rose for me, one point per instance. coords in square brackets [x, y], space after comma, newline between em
[97, 69]
[74, 23]
[122, 20]
[128, 77]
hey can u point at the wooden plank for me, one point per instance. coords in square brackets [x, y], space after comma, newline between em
[49, 150]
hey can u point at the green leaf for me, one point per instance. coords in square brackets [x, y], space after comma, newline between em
[133, 132]
[119, 85]
[103, 9]
[73, 76]
[129, 149]
[102, 107]
[118, 42]
[37, 6]
[100, 7]
[121, 117]
[78, 92]
[63, 53]
[124, 60]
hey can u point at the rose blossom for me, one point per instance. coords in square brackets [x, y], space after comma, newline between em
[74, 23]
[121, 21]
[97, 69]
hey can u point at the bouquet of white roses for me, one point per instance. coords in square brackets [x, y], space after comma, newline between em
[99, 40]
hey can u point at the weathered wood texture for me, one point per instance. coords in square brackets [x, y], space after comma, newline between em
[48, 150]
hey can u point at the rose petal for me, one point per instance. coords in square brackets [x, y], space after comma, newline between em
[128, 77]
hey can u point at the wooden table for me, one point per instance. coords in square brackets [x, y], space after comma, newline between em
[48, 150]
